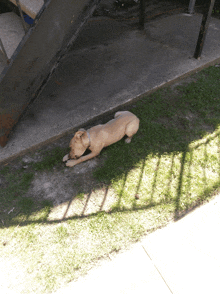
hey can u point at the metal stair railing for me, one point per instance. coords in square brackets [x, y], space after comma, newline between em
[30, 7]
[22, 16]
[25, 26]
[3, 49]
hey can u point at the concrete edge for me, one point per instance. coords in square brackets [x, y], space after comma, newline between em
[108, 112]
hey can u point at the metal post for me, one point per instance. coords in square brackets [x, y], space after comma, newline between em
[22, 16]
[204, 27]
[3, 49]
[191, 6]
[141, 13]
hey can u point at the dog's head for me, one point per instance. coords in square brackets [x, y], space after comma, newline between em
[77, 148]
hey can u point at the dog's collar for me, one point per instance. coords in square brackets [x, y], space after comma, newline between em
[88, 137]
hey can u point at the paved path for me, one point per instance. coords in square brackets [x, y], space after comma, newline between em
[183, 257]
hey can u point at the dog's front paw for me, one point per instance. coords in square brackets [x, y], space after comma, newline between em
[66, 157]
[71, 163]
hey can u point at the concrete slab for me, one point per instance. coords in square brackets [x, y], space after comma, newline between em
[180, 258]
[110, 65]
[129, 272]
[187, 252]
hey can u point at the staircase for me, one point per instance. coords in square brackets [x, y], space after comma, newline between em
[13, 27]
[34, 35]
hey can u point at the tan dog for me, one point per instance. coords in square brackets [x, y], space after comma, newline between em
[98, 137]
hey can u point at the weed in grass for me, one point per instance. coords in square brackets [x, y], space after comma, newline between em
[61, 233]
[43, 213]
[26, 180]
[26, 205]
[4, 171]
[80, 196]
[51, 159]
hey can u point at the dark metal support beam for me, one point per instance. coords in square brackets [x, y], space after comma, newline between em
[141, 13]
[191, 6]
[3, 49]
[204, 28]
[22, 16]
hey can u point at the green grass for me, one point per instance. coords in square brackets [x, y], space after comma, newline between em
[51, 158]
[171, 166]
[174, 158]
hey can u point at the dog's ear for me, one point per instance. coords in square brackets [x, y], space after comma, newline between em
[79, 134]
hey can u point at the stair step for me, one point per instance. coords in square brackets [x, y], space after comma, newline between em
[11, 32]
[31, 7]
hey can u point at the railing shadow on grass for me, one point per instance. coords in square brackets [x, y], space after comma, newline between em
[206, 189]
[183, 185]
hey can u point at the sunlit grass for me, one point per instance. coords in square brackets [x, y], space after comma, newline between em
[159, 179]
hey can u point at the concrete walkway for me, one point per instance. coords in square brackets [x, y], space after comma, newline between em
[111, 64]
[183, 257]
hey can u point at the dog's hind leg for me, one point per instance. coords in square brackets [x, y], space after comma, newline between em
[131, 130]
[118, 113]
[128, 140]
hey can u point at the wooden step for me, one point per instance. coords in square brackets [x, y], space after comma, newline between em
[30, 7]
[11, 32]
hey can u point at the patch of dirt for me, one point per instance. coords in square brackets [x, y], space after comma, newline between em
[185, 121]
[182, 82]
[73, 191]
